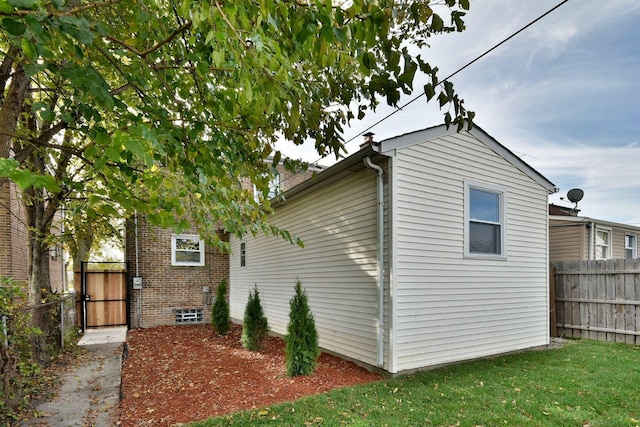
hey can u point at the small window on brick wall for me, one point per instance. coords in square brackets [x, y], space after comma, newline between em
[187, 250]
[189, 315]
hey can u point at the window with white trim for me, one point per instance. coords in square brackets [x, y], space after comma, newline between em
[630, 246]
[274, 189]
[603, 243]
[187, 250]
[485, 225]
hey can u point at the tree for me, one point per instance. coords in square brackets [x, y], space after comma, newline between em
[168, 103]
[301, 343]
[255, 325]
[220, 311]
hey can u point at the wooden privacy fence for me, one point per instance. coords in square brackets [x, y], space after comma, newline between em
[597, 299]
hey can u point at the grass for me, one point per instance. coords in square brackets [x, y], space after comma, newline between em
[585, 383]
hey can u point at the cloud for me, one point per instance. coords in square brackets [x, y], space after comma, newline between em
[564, 94]
[609, 177]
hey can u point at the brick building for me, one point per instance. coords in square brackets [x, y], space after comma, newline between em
[14, 241]
[179, 273]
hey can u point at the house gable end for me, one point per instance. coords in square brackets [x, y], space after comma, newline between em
[389, 146]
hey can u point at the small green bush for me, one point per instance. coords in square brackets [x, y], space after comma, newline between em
[255, 327]
[220, 311]
[301, 343]
[19, 367]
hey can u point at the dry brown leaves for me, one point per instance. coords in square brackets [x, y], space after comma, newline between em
[178, 374]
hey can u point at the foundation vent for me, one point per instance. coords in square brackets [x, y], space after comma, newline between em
[189, 315]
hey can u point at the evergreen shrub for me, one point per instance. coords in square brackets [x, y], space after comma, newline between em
[301, 343]
[220, 311]
[255, 326]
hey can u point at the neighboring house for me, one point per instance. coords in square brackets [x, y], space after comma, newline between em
[577, 238]
[420, 250]
[178, 274]
[14, 240]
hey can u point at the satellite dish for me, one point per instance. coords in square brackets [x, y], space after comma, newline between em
[575, 195]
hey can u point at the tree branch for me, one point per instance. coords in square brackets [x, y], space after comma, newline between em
[236, 32]
[157, 46]
[38, 142]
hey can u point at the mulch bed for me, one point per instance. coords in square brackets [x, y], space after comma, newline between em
[178, 374]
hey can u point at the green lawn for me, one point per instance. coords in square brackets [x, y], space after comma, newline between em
[586, 383]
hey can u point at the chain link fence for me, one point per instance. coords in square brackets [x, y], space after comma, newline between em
[24, 348]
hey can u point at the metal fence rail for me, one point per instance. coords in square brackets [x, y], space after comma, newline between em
[60, 330]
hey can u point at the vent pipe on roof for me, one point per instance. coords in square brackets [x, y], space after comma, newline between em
[368, 139]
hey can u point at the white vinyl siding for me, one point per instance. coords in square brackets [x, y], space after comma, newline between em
[337, 266]
[449, 307]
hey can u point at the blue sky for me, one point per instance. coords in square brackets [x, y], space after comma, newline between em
[564, 95]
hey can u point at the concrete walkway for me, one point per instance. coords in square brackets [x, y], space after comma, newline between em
[90, 392]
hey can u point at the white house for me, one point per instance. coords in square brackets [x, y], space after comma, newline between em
[420, 250]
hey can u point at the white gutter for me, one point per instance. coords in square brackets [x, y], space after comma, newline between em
[380, 257]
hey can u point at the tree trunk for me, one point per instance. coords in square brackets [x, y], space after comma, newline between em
[81, 250]
[38, 227]
[11, 108]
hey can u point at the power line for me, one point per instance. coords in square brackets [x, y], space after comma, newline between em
[468, 64]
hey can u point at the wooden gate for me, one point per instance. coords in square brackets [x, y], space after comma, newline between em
[102, 296]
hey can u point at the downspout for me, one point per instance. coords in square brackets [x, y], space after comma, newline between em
[591, 238]
[135, 222]
[139, 302]
[380, 257]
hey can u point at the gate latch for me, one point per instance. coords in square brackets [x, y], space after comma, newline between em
[87, 297]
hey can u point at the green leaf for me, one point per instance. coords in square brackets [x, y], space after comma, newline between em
[437, 24]
[5, 7]
[442, 99]
[7, 166]
[23, 4]
[47, 182]
[113, 153]
[429, 91]
[47, 115]
[78, 52]
[23, 178]
[29, 49]
[99, 163]
[369, 60]
[15, 28]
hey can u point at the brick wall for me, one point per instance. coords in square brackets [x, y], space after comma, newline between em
[13, 234]
[167, 288]
[14, 240]
[288, 179]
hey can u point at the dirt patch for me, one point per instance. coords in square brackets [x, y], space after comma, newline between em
[178, 374]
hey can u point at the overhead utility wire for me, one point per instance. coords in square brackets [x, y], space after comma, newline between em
[468, 64]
